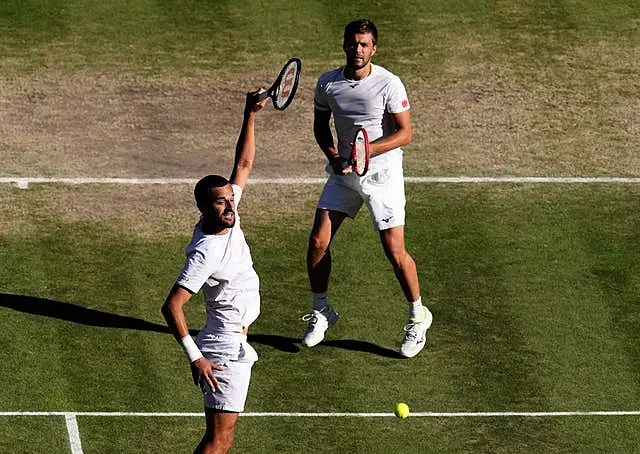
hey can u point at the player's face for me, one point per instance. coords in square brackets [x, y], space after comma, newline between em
[359, 49]
[221, 212]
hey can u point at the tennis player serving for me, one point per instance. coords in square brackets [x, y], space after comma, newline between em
[363, 95]
[218, 261]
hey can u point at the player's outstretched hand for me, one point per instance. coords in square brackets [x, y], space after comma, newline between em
[253, 104]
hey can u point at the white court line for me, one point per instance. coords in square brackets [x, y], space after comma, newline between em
[76, 445]
[433, 414]
[24, 182]
[507, 179]
[74, 433]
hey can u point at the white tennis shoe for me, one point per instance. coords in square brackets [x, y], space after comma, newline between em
[415, 335]
[318, 323]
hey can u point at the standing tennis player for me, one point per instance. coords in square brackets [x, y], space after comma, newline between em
[219, 262]
[361, 94]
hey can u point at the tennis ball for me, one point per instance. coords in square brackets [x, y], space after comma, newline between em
[402, 410]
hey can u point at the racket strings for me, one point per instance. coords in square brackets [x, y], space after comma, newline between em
[360, 155]
[287, 86]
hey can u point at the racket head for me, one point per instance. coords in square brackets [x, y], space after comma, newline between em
[360, 153]
[285, 86]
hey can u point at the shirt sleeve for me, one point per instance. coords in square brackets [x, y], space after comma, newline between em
[195, 272]
[320, 100]
[397, 100]
[237, 194]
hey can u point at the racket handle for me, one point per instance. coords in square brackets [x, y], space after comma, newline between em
[263, 95]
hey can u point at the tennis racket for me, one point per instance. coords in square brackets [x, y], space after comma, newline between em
[284, 88]
[360, 152]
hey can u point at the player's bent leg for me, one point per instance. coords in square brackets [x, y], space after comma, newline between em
[403, 264]
[325, 225]
[415, 331]
[323, 316]
[219, 434]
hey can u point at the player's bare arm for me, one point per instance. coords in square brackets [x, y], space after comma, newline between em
[173, 312]
[324, 138]
[402, 136]
[246, 145]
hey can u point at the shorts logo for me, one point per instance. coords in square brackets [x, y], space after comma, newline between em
[405, 103]
[386, 219]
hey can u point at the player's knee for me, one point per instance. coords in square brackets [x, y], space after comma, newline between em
[399, 257]
[318, 243]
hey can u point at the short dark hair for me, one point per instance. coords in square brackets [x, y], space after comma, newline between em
[202, 191]
[360, 26]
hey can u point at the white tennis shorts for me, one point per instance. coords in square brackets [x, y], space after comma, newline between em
[382, 190]
[233, 380]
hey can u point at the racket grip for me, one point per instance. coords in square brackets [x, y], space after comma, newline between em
[263, 95]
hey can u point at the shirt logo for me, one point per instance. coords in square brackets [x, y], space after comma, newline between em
[405, 103]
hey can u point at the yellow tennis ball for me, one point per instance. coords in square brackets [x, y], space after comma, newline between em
[402, 410]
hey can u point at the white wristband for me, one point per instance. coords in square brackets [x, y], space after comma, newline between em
[190, 348]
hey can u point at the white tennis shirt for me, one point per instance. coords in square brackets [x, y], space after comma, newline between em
[221, 265]
[366, 103]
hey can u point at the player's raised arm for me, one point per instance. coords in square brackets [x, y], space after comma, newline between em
[246, 145]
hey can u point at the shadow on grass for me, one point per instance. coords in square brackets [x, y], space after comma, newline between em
[362, 346]
[282, 343]
[77, 314]
[92, 317]
[292, 345]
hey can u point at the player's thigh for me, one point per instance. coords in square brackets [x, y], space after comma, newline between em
[220, 423]
[384, 195]
[219, 419]
[393, 242]
[325, 225]
[338, 196]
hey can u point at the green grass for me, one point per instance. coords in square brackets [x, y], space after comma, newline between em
[534, 290]
[35, 434]
[188, 37]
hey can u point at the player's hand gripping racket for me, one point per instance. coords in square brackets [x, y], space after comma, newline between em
[360, 152]
[284, 88]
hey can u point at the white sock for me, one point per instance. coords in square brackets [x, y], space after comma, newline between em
[320, 301]
[416, 310]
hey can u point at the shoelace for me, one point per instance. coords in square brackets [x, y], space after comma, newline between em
[311, 318]
[409, 331]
